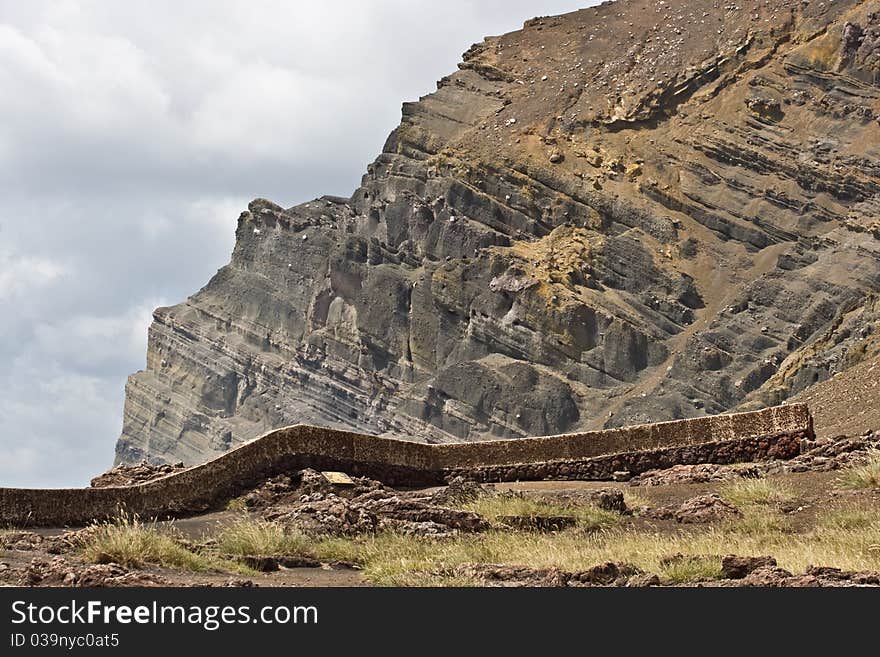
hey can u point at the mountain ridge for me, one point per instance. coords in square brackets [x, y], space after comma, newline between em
[635, 212]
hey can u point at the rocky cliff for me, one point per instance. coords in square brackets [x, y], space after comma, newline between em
[640, 211]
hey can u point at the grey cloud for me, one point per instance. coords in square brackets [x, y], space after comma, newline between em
[131, 136]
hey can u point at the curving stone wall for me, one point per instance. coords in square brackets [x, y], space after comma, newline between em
[767, 434]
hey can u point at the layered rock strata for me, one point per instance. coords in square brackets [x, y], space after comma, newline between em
[635, 212]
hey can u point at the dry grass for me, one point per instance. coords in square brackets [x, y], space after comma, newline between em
[756, 492]
[493, 507]
[3, 530]
[131, 543]
[636, 501]
[847, 518]
[847, 538]
[257, 537]
[690, 569]
[863, 477]
[759, 521]
[236, 504]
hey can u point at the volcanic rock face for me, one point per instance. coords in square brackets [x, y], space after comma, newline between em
[640, 211]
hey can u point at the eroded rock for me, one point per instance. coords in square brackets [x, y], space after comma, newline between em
[460, 490]
[378, 509]
[58, 571]
[695, 474]
[734, 567]
[22, 541]
[289, 489]
[610, 499]
[607, 574]
[130, 475]
[539, 523]
[697, 510]
[816, 456]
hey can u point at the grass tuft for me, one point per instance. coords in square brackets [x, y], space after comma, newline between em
[236, 504]
[260, 538]
[847, 518]
[863, 477]
[131, 543]
[759, 521]
[636, 501]
[756, 492]
[690, 569]
[493, 507]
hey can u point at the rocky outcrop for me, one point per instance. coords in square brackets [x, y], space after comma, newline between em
[697, 510]
[636, 212]
[607, 574]
[825, 455]
[130, 475]
[760, 572]
[734, 567]
[378, 511]
[58, 571]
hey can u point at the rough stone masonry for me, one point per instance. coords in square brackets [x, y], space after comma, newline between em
[775, 433]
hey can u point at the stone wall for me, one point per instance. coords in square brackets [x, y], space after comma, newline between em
[766, 434]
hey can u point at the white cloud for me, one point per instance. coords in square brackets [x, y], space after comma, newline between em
[62, 395]
[262, 111]
[213, 216]
[219, 214]
[16, 460]
[23, 274]
[101, 86]
[91, 342]
[54, 427]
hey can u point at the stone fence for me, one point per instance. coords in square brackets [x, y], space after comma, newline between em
[774, 433]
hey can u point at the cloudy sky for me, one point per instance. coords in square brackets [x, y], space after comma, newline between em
[132, 134]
